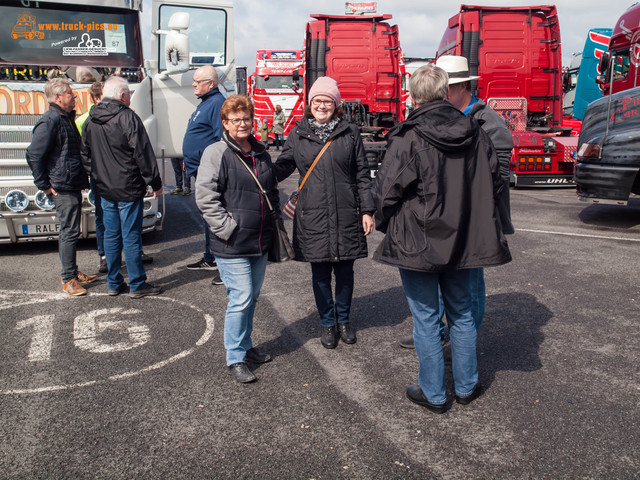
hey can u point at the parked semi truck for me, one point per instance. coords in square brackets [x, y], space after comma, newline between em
[362, 53]
[516, 52]
[83, 40]
[579, 81]
[270, 85]
[608, 168]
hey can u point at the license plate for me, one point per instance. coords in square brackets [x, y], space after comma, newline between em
[40, 228]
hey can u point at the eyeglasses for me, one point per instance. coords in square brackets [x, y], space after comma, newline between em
[316, 102]
[237, 121]
[200, 81]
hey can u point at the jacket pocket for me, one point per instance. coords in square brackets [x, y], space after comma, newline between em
[407, 232]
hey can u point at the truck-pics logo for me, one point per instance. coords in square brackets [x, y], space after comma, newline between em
[25, 27]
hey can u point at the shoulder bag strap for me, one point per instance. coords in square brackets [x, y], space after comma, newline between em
[264, 194]
[326, 145]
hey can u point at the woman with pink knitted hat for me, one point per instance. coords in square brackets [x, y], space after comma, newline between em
[335, 207]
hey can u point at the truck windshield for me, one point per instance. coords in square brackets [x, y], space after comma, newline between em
[56, 34]
[207, 34]
[274, 81]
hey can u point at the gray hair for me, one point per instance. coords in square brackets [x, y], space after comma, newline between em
[429, 83]
[114, 87]
[55, 86]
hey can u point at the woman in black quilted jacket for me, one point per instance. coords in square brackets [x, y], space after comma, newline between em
[335, 207]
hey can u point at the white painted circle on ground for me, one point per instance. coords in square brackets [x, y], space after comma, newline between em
[11, 299]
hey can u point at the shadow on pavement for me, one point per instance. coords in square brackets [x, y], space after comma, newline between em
[511, 334]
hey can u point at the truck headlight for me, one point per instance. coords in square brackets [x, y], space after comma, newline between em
[43, 202]
[16, 200]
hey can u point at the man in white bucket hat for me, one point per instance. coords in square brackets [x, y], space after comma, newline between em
[460, 96]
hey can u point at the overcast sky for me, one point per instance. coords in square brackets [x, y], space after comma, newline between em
[280, 25]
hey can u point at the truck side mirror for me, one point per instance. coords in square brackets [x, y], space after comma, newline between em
[176, 45]
[603, 67]
[295, 80]
[566, 81]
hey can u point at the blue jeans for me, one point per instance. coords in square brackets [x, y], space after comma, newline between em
[329, 311]
[180, 174]
[421, 289]
[99, 223]
[478, 299]
[243, 279]
[279, 140]
[123, 230]
[69, 211]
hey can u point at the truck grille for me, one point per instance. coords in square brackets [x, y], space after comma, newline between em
[21, 120]
[30, 190]
[13, 154]
[15, 137]
[15, 171]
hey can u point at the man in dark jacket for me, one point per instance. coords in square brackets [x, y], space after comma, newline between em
[117, 153]
[204, 129]
[54, 159]
[459, 95]
[435, 196]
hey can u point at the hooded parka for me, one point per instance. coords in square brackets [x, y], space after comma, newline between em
[436, 194]
[328, 223]
[117, 153]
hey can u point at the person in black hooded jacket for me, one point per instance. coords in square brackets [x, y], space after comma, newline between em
[334, 209]
[117, 153]
[436, 194]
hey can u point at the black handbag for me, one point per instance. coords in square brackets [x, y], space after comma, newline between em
[280, 250]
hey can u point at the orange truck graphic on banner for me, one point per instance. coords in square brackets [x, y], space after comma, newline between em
[25, 27]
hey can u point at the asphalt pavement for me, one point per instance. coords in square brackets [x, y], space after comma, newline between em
[116, 388]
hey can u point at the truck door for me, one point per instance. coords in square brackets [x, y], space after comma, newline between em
[210, 42]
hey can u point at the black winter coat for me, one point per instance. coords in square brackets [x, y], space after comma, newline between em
[54, 153]
[117, 153]
[436, 194]
[230, 200]
[328, 223]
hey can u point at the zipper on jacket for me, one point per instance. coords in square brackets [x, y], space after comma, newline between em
[255, 171]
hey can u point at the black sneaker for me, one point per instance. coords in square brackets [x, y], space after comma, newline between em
[123, 288]
[202, 264]
[146, 258]
[147, 290]
[216, 280]
[103, 268]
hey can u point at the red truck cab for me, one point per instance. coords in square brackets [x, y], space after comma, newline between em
[362, 54]
[516, 52]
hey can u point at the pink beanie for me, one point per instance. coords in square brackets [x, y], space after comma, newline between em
[325, 86]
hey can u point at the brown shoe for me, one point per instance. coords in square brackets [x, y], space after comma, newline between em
[83, 279]
[73, 287]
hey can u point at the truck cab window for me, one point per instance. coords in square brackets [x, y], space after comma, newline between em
[207, 33]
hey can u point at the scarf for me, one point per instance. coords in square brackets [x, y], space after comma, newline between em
[324, 130]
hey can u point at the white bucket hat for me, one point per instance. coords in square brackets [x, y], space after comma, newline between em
[456, 67]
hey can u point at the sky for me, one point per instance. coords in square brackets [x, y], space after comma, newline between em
[280, 25]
